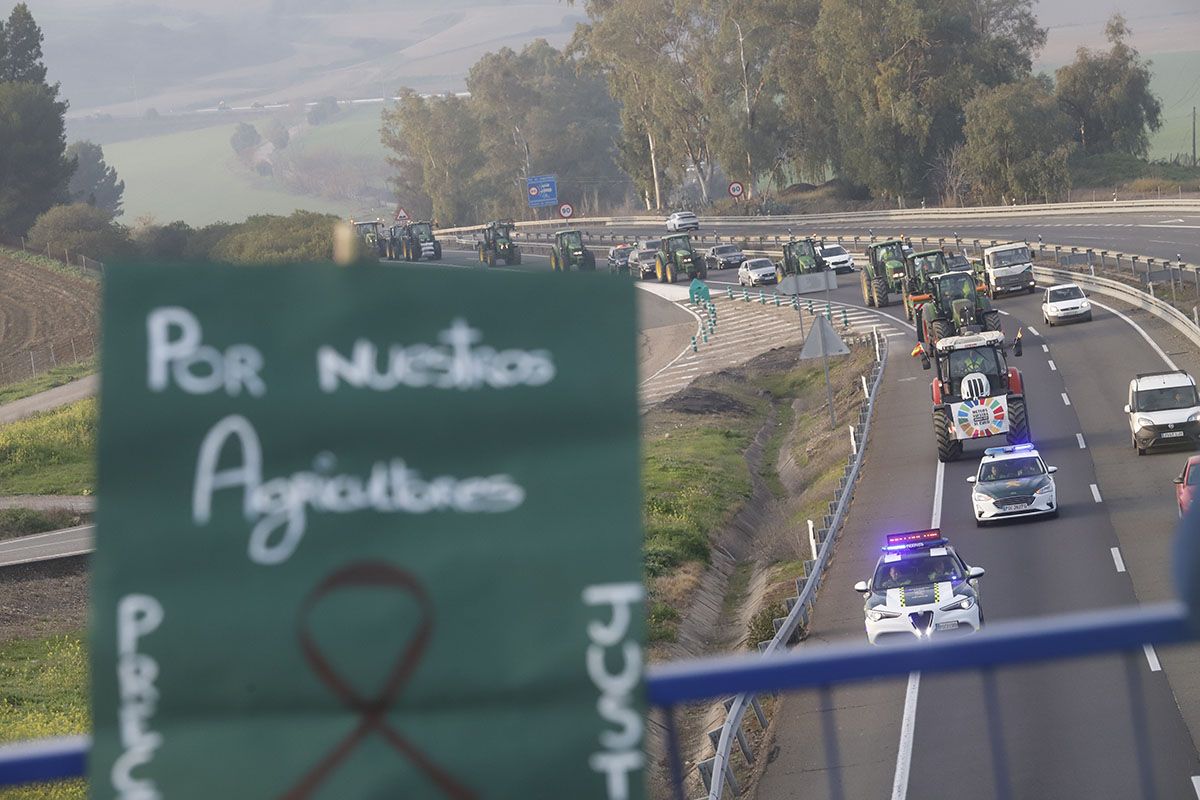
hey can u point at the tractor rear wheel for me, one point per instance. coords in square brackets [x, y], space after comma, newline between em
[940, 329]
[414, 250]
[991, 320]
[553, 261]
[949, 448]
[589, 261]
[880, 289]
[778, 274]
[1018, 421]
[491, 258]
[515, 258]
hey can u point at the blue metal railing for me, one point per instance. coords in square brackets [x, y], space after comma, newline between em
[668, 685]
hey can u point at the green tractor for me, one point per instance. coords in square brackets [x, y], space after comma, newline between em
[374, 237]
[955, 308]
[569, 255]
[883, 274]
[919, 269]
[498, 242]
[800, 257]
[413, 241]
[676, 257]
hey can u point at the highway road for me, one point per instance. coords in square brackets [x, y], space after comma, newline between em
[1066, 729]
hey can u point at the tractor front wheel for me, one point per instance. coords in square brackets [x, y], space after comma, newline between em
[991, 320]
[589, 261]
[437, 251]
[660, 269]
[671, 274]
[515, 257]
[949, 448]
[879, 288]
[1018, 421]
[866, 288]
[491, 258]
[940, 329]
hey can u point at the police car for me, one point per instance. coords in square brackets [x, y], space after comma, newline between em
[921, 588]
[1012, 481]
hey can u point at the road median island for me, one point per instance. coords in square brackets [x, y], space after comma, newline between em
[733, 467]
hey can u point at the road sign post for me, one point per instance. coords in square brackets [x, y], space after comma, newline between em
[346, 544]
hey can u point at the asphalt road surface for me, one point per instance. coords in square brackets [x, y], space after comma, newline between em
[45, 546]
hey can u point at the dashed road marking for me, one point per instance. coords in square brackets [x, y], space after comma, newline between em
[1045, 348]
[1120, 562]
[1066, 400]
[1053, 368]
[1152, 658]
[1096, 493]
[1196, 785]
[1033, 330]
[1082, 443]
[1005, 313]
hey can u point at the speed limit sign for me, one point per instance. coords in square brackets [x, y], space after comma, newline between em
[566, 211]
[736, 189]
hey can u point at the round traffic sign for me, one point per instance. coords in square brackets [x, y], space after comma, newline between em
[566, 211]
[533, 191]
[736, 189]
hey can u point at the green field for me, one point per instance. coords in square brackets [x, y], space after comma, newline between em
[354, 131]
[194, 176]
[1177, 84]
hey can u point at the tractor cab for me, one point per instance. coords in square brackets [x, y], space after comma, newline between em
[800, 257]
[368, 229]
[570, 240]
[955, 307]
[888, 257]
[422, 231]
[680, 242]
[498, 233]
[919, 269]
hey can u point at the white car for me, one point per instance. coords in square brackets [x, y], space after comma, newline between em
[836, 258]
[920, 588]
[1012, 481]
[1065, 302]
[683, 221]
[757, 272]
[1163, 409]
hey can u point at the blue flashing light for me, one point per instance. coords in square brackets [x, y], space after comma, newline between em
[910, 540]
[1012, 448]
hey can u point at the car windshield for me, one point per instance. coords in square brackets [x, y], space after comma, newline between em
[423, 231]
[1008, 258]
[645, 254]
[833, 250]
[573, 240]
[1193, 476]
[1011, 469]
[759, 263]
[916, 571]
[1066, 293]
[725, 250]
[981, 359]
[1165, 399]
[621, 252]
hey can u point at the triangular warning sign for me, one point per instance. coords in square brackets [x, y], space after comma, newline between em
[823, 340]
[401, 214]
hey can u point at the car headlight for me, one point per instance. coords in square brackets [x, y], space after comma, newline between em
[876, 614]
[1047, 489]
[1054, 311]
[1144, 422]
[965, 604]
[1085, 305]
[979, 497]
[1194, 417]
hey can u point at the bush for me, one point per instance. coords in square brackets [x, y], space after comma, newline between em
[80, 228]
[762, 625]
[245, 138]
[270, 239]
[165, 242]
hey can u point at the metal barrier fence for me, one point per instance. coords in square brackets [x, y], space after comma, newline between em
[59, 253]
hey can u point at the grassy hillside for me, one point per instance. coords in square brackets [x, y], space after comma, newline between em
[194, 176]
[1177, 84]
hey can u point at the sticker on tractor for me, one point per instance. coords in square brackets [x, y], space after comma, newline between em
[985, 416]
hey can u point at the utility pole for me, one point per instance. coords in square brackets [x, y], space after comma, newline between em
[1193, 136]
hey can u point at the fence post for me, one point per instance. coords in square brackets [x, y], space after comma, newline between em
[32, 368]
[74, 355]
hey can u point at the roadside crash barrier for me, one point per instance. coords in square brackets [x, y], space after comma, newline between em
[717, 772]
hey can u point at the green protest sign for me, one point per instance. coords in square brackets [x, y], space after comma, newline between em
[366, 532]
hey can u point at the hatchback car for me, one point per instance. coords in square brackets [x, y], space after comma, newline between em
[641, 262]
[618, 258]
[757, 272]
[1186, 483]
[837, 259]
[1065, 302]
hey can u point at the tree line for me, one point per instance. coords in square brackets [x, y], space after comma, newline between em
[660, 102]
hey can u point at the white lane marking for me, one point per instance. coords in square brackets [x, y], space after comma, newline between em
[1053, 368]
[1152, 658]
[902, 380]
[1045, 348]
[1082, 443]
[1120, 562]
[1196, 785]
[908, 721]
[31, 537]
[1005, 313]
[47, 558]
[1033, 330]
[1153, 344]
[1096, 493]
[1066, 400]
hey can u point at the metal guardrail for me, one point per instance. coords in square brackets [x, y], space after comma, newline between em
[717, 771]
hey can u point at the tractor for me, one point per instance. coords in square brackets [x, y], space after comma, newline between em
[955, 307]
[918, 271]
[498, 242]
[374, 236]
[975, 394]
[800, 257]
[413, 241]
[568, 254]
[883, 274]
[676, 257]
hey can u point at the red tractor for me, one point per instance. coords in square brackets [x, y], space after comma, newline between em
[975, 394]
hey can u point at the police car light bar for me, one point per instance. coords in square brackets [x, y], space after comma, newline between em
[913, 539]
[1012, 448]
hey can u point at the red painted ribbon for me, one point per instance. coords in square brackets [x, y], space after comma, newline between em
[373, 710]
